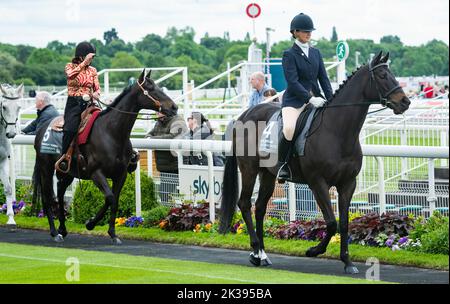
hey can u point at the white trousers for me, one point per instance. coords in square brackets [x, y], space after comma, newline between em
[290, 116]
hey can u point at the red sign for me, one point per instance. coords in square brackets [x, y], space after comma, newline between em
[253, 10]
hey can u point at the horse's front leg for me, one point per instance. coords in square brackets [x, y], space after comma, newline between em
[63, 183]
[4, 176]
[345, 196]
[321, 192]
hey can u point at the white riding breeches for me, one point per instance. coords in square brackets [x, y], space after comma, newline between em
[290, 116]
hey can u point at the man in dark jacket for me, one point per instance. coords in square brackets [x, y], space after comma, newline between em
[167, 127]
[45, 112]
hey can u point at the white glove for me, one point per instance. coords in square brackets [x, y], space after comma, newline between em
[317, 101]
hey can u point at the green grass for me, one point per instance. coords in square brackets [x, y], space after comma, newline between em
[37, 264]
[233, 241]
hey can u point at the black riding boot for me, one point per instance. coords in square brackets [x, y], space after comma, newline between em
[284, 149]
[67, 140]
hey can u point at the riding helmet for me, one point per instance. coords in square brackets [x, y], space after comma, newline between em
[303, 23]
[84, 48]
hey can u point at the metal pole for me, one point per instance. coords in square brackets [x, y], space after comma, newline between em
[292, 202]
[106, 83]
[432, 199]
[404, 161]
[212, 203]
[381, 190]
[185, 90]
[137, 180]
[444, 143]
[229, 79]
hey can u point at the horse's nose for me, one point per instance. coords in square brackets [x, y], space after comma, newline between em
[11, 134]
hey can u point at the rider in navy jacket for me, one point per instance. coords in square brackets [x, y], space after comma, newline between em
[302, 73]
[303, 68]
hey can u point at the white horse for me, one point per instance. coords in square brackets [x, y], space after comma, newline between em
[9, 113]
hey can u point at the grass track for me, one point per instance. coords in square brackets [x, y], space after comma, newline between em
[37, 264]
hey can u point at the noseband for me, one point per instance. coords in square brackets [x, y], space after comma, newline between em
[383, 98]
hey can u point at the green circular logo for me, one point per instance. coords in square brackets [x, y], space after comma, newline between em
[342, 50]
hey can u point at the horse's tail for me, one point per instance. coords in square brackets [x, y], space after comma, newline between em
[229, 194]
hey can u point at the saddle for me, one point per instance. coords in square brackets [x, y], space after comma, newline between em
[88, 118]
[272, 133]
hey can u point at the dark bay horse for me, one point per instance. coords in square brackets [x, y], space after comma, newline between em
[107, 154]
[333, 157]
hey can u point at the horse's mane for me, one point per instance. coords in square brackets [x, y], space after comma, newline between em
[116, 100]
[343, 84]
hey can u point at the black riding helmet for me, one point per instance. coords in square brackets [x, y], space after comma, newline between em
[303, 23]
[84, 48]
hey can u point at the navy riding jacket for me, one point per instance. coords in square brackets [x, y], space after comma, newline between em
[302, 73]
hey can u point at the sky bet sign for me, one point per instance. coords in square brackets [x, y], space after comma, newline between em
[194, 179]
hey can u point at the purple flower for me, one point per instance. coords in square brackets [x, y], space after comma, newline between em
[134, 221]
[389, 242]
[403, 240]
[41, 213]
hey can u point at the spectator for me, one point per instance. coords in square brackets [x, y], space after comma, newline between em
[270, 93]
[259, 85]
[167, 127]
[45, 112]
[200, 128]
[428, 91]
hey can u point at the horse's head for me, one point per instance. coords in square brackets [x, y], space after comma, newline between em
[384, 86]
[153, 97]
[9, 108]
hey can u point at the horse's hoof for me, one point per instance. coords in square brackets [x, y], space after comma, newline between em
[90, 225]
[58, 239]
[11, 227]
[266, 262]
[351, 270]
[255, 260]
[63, 233]
[116, 241]
[313, 252]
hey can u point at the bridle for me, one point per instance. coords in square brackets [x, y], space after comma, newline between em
[146, 93]
[383, 98]
[3, 120]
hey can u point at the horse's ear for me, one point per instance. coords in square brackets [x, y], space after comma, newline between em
[3, 89]
[385, 58]
[142, 76]
[377, 58]
[20, 90]
[149, 73]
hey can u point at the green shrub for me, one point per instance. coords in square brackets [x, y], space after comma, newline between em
[23, 192]
[88, 199]
[154, 216]
[436, 241]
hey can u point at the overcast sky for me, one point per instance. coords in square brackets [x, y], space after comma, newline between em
[36, 22]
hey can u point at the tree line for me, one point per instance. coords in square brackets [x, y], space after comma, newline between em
[45, 66]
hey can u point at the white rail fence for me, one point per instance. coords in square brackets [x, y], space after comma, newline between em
[295, 201]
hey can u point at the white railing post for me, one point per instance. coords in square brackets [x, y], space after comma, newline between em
[137, 181]
[341, 72]
[185, 90]
[212, 201]
[431, 199]
[444, 143]
[381, 190]
[292, 202]
[244, 84]
[404, 142]
[106, 83]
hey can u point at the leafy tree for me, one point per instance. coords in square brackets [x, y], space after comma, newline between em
[110, 36]
[124, 60]
[334, 36]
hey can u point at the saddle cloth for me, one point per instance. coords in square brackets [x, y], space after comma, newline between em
[52, 141]
[272, 133]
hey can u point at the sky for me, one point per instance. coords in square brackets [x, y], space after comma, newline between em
[37, 22]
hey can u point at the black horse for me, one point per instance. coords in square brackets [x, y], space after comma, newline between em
[107, 154]
[333, 157]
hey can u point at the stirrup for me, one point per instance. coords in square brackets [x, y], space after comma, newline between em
[66, 159]
[282, 179]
